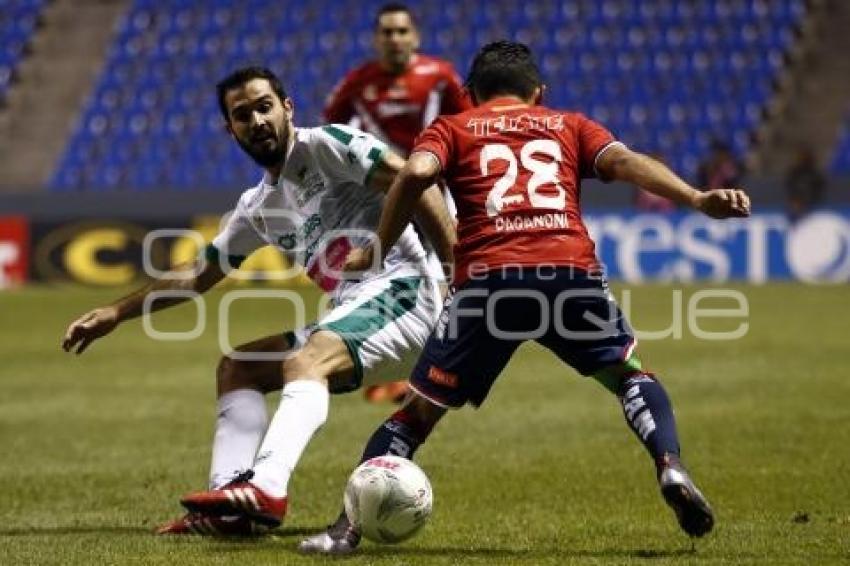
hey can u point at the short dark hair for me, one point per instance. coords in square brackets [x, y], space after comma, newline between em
[503, 67]
[392, 8]
[241, 76]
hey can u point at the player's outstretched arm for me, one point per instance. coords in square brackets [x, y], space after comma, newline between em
[418, 195]
[101, 321]
[622, 164]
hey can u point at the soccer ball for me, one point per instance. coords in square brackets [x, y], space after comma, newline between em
[388, 498]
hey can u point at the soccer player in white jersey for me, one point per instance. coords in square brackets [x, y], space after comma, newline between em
[321, 192]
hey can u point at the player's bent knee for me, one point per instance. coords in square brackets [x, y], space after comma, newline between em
[323, 358]
[303, 366]
[235, 374]
[612, 377]
[226, 376]
[296, 366]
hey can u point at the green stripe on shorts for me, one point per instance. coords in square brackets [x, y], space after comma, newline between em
[373, 315]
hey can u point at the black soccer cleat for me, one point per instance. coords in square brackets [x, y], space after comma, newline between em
[691, 507]
[338, 539]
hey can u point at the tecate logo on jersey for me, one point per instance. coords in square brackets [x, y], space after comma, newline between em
[689, 247]
[392, 109]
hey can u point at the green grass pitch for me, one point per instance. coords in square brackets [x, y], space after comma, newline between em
[96, 450]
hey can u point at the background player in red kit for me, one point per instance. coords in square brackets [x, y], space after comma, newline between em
[526, 267]
[399, 94]
[394, 97]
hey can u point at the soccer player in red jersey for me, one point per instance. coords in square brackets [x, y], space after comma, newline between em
[394, 97]
[399, 94]
[525, 267]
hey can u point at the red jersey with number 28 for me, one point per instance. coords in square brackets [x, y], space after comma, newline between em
[514, 171]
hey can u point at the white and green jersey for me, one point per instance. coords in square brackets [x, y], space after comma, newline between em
[319, 209]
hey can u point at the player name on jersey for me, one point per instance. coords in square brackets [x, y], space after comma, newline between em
[512, 224]
[483, 127]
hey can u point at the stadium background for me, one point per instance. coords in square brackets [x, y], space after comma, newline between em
[109, 128]
[109, 115]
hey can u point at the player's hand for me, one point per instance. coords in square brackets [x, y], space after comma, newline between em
[359, 260]
[90, 327]
[724, 203]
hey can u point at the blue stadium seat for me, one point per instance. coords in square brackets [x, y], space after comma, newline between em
[665, 76]
[18, 23]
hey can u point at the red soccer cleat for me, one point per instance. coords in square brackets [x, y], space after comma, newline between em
[239, 497]
[205, 525]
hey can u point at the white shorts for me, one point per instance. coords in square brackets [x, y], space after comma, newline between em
[384, 321]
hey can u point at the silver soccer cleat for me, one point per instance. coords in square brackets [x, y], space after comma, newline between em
[338, 539]
[691, 507]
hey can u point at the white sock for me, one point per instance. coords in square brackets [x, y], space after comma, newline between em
[303, 409]
[239, 428]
